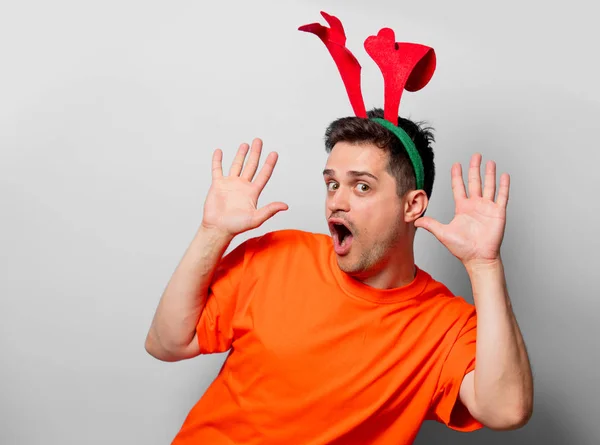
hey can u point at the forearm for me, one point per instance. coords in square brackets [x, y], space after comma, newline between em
[173, 328]
[503, 386]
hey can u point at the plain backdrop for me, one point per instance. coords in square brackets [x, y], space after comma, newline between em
[109, 113]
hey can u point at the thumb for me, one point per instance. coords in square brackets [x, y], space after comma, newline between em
[267, 212]
[431, 225]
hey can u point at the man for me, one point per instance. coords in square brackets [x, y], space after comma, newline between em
[343, 339]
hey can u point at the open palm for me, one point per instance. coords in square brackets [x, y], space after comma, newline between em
[231, 203]
[477, 229]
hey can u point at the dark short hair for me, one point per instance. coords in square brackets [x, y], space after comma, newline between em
[357, 129]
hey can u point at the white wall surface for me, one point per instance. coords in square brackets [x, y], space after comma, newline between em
[109, 113]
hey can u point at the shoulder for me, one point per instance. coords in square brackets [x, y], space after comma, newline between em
[287, 252]
[287, 242]
[278, 253]
[447, 306]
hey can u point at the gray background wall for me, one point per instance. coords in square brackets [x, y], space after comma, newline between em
[109, 112]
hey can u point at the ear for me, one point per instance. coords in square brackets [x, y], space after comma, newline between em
[415, 204]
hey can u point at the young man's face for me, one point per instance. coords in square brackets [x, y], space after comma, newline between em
[361, 195]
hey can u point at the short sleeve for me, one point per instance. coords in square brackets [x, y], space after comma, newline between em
[446, 405]
[215, 326]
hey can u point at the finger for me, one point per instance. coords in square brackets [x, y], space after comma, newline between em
[458, 185]
[436, 228]
[217, 164]
[475, 176]
[489, 187]
[252, 164]
[238, 161]
[268, 211]
[266, 171]
[503, 190]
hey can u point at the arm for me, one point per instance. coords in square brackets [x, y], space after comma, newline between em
[499, 392]
[230, 209]
[172, 335]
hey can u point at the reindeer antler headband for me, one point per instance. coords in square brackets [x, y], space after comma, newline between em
[405, 66]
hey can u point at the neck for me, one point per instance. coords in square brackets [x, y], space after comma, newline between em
[394, 272]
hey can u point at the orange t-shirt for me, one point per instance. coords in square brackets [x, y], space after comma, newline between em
[320, 358]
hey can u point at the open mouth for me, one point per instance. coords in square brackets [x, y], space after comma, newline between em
[342, 236]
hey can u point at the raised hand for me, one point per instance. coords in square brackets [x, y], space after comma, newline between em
[231, 203]
[476, 232]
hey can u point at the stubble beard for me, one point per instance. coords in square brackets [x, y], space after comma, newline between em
[370, 256]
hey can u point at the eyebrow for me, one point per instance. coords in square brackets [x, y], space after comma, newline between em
[354, 173]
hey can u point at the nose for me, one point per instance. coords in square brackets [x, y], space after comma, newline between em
[339, 201]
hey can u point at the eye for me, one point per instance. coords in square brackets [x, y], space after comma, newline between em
[331, 186]
[362, 187]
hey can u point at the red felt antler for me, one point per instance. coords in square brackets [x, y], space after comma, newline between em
[349, 68]
[407, 66]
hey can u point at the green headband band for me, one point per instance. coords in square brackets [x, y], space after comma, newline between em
[410, 147]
